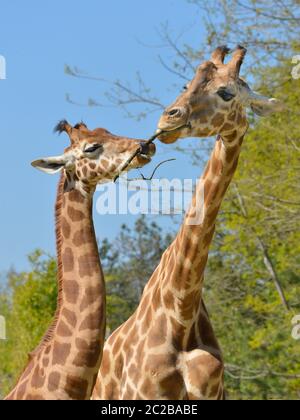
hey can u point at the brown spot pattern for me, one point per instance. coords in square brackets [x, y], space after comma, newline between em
[111, 391]
[48, 349]
[214, 391]
[118, 369]
[172, 385]
[105, 366]
[37, 380]
[71, 290]
[21, 390]
[92, 294]
[68, 260]
[158, 333]
[189, 303]
[63, 330]
[88, 265]
[76, 196]
[82, 237]
[92, 321]
[53, 381]
[76, 388]
[60, 353]
[46, 361]
[192, 342]
[70, 317]
[34, 397]
[168, 300]
[66, 228]
[75, 215]
[178, 334]
[208, 237]
[134, 373]
[89, 353]
[230, 154]
[227, 127]
[232, 136]
[128, 393]
[218, 120]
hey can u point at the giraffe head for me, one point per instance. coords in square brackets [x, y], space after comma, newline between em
[94, 157]
[214, 101]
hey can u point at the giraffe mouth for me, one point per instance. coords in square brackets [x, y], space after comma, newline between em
[187, 125]
[172, 130]
[170, 136]
[143, 156]
[147, 151]
[143, 159]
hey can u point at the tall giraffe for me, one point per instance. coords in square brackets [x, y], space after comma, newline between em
[167, 349]
[65, 364]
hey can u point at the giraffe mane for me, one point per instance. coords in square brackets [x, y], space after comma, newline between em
[51, 329]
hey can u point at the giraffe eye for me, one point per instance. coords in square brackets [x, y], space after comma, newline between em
[225, 95]
[94, 148]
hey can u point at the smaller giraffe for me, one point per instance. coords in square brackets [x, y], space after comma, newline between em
[167, 350]
[65, 364]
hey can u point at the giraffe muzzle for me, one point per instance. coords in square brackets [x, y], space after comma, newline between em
[147, 149]
[174, 118]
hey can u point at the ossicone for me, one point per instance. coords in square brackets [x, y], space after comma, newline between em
[237, 60]
[218, 56]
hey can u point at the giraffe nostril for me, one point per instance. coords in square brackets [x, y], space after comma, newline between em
[176, 112]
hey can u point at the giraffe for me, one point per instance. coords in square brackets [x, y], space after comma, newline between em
[65, 364]
[167, 350]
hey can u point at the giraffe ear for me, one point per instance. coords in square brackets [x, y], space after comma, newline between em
[263, 106]
[50, 165]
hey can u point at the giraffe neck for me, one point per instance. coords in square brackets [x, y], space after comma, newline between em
[81, 294]
[65, 364]
[180, 274]
[80, 277]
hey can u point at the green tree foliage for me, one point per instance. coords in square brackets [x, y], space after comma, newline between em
[28, 303]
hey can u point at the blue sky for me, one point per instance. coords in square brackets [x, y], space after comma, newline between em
[104, 38]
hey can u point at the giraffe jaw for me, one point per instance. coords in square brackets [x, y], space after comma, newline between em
[170, 136]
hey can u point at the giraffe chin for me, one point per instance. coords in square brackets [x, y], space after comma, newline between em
[169, 137]
[143, 160]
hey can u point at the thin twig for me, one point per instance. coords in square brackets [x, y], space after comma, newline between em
[153, 173]
[138, 151]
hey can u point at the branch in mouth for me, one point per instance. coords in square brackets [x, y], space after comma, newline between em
[151, 140]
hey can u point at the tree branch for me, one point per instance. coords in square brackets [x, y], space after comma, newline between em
[266, 257]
